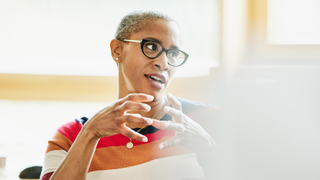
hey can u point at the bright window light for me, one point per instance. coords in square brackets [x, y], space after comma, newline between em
[72, 37]
[294, 21]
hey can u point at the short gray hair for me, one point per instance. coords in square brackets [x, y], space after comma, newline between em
[136, 21]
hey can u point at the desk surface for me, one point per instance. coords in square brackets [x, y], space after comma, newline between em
[19, 157]
[6, 174]
[13, 168]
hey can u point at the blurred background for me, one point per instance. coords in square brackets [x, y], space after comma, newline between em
[258, 60]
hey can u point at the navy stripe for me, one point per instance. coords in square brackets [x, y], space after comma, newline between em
[150, 129]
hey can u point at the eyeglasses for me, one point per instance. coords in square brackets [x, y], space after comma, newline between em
[153, 49]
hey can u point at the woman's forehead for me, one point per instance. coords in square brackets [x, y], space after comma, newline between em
[165, 32]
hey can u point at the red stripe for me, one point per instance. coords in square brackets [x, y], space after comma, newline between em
[72, 128]
[121, 140]
[46, 176]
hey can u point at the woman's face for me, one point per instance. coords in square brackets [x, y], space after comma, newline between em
[139, 74]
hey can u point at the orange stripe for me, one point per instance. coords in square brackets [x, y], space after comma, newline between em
[59, 142]
[115, 157]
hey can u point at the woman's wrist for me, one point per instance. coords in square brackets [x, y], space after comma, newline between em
[88, 135]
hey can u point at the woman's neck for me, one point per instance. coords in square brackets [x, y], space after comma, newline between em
[156, 108]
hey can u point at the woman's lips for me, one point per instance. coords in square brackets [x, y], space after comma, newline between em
[156, 80]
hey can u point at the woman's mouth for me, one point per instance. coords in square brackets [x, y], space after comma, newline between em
[156, 80]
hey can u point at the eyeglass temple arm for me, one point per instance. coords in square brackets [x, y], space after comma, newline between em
[136, 41]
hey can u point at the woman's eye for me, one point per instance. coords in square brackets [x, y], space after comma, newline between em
[152, 47]
[174, 54]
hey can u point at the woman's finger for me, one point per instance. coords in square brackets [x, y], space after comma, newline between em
[131, 106]
[177, 115]
[134, 97]
[168, 125]
[135, 106]
[174, 102]
[171, 142]
[133, 119]
[137, 97]
[136, 115]
[133, 135]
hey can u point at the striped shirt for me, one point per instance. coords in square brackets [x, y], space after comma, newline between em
[112, 160]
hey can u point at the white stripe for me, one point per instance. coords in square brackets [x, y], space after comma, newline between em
[52, 160]
[169, 168]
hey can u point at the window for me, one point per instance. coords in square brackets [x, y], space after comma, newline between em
[293, 21]
[72, 37]
[281, 42]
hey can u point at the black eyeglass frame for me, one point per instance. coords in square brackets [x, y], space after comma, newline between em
[143, 41]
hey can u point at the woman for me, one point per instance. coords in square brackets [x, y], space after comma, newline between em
[126, 140]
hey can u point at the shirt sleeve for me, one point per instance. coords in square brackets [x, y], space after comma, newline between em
[58, 147]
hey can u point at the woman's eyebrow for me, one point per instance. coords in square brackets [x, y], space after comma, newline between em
[158, 41]
[153, 39]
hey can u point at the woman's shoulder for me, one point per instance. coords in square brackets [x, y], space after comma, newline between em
[203, 113]
[71, 129]
[192, 106]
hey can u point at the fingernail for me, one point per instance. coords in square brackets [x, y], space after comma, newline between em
[160, 146]
[150, 97]
[166, 124]
[148, 108]
[166, 109]
[149, 121]
[145, 139]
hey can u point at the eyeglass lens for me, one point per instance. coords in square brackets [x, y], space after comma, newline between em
[152, 49]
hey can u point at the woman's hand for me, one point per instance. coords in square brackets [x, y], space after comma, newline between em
[113, 119]
[188, 133]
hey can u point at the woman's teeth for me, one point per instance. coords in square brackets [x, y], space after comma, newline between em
[156, 79]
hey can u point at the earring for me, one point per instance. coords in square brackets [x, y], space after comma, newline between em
[116, 59]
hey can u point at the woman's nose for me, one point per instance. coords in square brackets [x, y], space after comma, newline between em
[161, 62]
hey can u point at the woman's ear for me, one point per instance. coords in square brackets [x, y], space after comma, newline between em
[116, 50]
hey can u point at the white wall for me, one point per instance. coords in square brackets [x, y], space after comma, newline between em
[271, 113]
